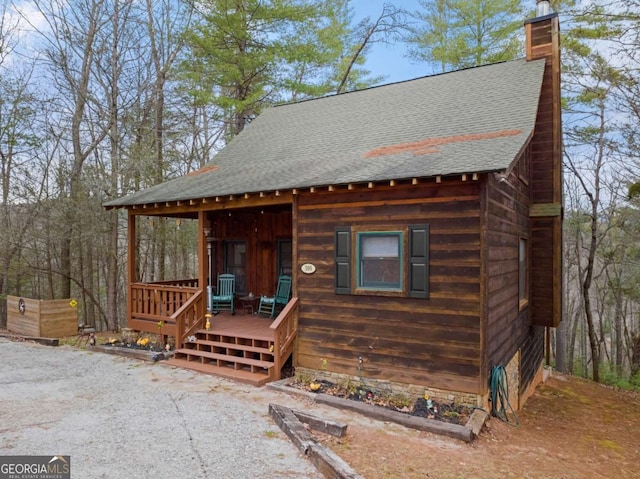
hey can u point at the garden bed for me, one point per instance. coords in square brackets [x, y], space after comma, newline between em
[457, 421]
[138, 346]
[420, 407]
[145, 350]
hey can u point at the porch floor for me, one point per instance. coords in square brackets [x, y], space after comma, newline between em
[241, 324]
[238, 347]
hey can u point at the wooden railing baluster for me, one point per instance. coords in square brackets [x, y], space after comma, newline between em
[155, 303]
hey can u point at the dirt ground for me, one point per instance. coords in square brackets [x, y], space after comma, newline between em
[570, 428]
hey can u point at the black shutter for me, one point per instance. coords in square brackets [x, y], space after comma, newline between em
[419, 261]
[343, 259]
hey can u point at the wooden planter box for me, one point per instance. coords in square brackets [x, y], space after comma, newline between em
[41, 318]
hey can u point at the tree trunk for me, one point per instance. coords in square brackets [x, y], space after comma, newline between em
[594, 343]
[635, 355]
[112, 274]
[573, 335]
[618, 320]
[114, 141]
[561, 345]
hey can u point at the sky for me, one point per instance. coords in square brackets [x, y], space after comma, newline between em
[389, 60]
[384, 60]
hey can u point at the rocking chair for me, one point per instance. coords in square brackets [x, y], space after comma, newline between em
[224, 298]
[270, 304]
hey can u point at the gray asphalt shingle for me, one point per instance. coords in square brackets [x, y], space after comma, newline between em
[332, 140]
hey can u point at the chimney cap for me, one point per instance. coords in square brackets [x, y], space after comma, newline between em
[543, 8]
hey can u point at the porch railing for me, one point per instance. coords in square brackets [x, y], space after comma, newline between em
[189, 283]
[285, 328]
[189, 317]
[152, 303]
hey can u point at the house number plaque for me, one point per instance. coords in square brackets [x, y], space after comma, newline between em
[308, 268]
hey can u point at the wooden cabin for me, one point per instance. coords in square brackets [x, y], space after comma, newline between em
[421, 223]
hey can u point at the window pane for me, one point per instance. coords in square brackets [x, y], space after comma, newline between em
[380, 261]
[522, 270]
[382, 246]
[236, 263]
[285, 257]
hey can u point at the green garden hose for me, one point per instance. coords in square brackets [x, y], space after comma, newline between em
[500, 405]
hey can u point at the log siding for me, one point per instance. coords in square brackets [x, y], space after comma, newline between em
[509, 325]
[433, 342]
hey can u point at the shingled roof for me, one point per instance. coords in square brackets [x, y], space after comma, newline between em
[467, 121]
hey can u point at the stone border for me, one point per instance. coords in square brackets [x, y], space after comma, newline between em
[466, 433]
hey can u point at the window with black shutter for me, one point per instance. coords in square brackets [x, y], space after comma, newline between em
[419, 261]
[343, 260]
[382, 262]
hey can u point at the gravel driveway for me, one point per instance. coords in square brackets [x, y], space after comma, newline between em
[125, 418]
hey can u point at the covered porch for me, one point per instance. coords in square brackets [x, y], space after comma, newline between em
[252, 243]
[243, 346]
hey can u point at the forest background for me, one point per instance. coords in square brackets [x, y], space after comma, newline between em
[101, 98]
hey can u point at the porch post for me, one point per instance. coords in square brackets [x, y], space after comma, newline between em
[294, 246]
[132, 246]
[203, 259]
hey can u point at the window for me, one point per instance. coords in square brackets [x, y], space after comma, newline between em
[235, 262]
[379, 260]
[285, 257]
[384, 262]
[523, 274]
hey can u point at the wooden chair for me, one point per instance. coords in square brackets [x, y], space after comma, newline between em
[224, 298]
[270, 304]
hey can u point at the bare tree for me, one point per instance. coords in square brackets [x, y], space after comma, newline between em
[591, 166]
[70, 36]
[388, 26]
[18, 139]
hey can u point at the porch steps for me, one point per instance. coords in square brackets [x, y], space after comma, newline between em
[242, 358]
[237, 375]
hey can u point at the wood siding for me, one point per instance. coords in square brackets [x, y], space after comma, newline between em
[433, 342]
[546, 184]
[54, 318]
[532, 354]
[509, 324]
[507, 210]
[261, 230]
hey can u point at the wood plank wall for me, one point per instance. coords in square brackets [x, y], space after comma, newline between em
[509, 324]
[532, 355]
[433, 342]
[261, 231]
[27, 323]
[42, 318]
[507, 223]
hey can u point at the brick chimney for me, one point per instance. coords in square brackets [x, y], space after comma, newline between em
[545, 214]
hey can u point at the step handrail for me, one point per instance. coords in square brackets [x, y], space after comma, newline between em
[189, 310]
[285, 328]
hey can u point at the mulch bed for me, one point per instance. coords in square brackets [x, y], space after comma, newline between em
[155, 347]
[420, 407]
